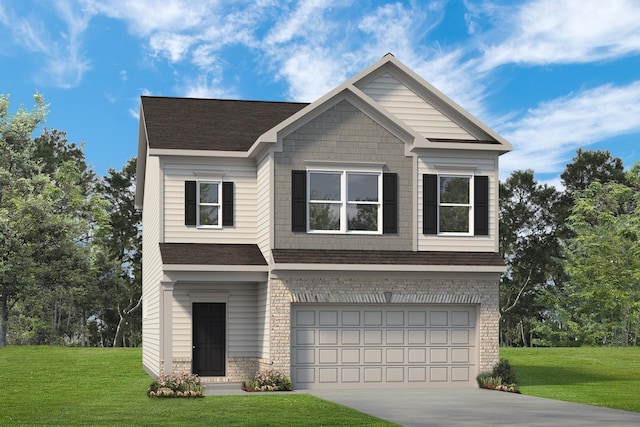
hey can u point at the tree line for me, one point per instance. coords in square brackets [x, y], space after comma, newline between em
[572, 255]
[70, 247]
[70, 241]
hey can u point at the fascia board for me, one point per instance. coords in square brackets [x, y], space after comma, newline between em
[141, 163]
[390, 267]
[197, 153]
[214, 268]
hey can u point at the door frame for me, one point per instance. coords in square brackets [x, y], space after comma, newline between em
[226, 333]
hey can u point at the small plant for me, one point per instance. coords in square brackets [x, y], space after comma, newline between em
[184, 385]
[501, 378]
[269, 380]
[503, 370]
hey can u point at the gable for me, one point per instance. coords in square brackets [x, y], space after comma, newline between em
[414, 110]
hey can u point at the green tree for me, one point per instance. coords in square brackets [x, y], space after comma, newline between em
[122, 243]
[528, 224]
[603, 260]
[45, 215]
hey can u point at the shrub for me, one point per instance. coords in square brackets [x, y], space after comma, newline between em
[269, 380]
[501, 378]
[184, 385]
[503, 370]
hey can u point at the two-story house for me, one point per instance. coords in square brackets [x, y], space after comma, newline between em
[351, 242]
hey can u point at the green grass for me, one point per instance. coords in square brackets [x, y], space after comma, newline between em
[90, 386]
[597, 376]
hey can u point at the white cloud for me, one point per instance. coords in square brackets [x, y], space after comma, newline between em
[171, 45]
[145, 17]
[568, 31]
[546, 137]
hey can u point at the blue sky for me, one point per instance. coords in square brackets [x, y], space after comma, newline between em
[550, 76]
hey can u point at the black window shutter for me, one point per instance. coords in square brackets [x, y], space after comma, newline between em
[227, 203]
[389, 203]
[299, 201]
[481, 206]
[429, 204]
[190, 203]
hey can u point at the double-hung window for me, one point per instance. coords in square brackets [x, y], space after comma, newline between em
[208, 203]
[209, 198]
[344, 201]
[455, 204]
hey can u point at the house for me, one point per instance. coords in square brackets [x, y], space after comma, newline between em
[351, 242]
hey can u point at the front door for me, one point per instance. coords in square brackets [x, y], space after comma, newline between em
[209, 338]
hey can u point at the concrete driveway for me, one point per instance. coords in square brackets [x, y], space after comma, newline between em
[474, 407]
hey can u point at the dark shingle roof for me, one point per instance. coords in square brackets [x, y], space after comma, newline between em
[324, 256]
[211, 254]
[211, 124]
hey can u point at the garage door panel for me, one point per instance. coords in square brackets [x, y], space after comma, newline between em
[395, 336]
[356, 346]
[395, 318]
[350, 337]
[328, 318]
[328, 337]
[373, 337]
[373, 318]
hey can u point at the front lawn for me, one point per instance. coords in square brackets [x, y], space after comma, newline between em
[599, 376]
[92, 386]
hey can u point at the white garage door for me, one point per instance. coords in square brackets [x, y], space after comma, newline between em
[356, 346]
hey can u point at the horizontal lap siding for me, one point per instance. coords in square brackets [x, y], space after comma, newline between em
[239, 171]
[412, 109]
[243, 324]
[263, 211]
[446, 163]
[151, 269]
[263, 320]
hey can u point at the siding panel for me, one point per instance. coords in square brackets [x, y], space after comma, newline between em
[412, 109]
[448, 163]
[151, 269]
[239, 171]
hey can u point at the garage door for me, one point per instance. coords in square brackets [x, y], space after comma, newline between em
[356, 346]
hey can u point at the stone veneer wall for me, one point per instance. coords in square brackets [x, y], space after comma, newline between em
[238, 369]
[352, 290]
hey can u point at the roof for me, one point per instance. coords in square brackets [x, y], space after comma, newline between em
[211, 254]
[326, 256]
[210, 124]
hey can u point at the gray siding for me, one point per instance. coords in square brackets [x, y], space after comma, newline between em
[151, 269]
[342, 134]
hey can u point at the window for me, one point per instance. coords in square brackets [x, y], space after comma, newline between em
[209, 204]
[454, 213]
[344, 202]
[455, 204]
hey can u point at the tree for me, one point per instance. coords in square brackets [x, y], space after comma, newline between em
[528, 224]
[122, 245]
[603, 259]
[45, 215]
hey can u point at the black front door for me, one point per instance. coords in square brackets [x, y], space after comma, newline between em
[209, 326]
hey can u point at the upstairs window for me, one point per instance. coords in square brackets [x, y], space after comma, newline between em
[208, 204]
[344, 201]
[454, 213]
[455, 205]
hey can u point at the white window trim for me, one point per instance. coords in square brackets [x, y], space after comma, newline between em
[470, 205]
[344, 171]
[219, 204]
